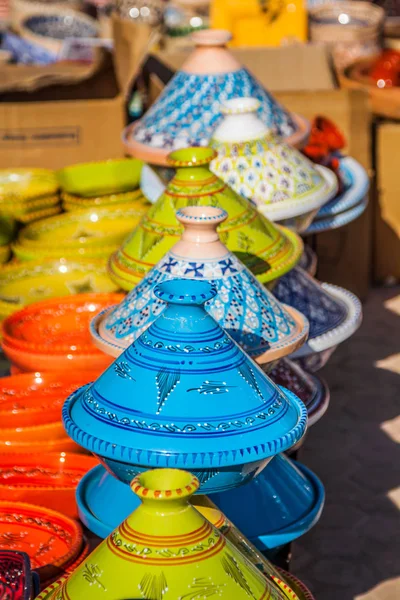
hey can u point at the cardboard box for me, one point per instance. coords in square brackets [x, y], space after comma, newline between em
[301, 78]
[62, 114]
[387, 217]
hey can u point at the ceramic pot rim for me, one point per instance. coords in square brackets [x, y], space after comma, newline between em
[332, 338]
[58, 13]
[337, 221]
[51, 588]
[158, 156]
[186, 460]
[44, 174]
[295, 530]
[85, 514]
[240, 106]
[306, 594]
[288, 209]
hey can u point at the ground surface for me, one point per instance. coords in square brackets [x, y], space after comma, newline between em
[354, 551]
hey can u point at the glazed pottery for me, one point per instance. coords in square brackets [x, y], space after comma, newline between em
[61, 444]
[339, 220]
[72, 202]
[355, 183]
[141, 11]
[97, 231]
[284, 502]
[309, 261]
[32, 210]
[266, 249]
[142, 555]
[53, 335]
[244, 307]
[49, 538]
[351, 29]
[189, 108]
[17, 582]
[36, 398]
[386, 70]
[183, 360]
[25, 52]
[5, 253]
[101, 178]
[334, 314]
[22, 284]
[26, 184]
[284, 184]
[311, 389]
[50, 30]
[45, 479]
[8, 229]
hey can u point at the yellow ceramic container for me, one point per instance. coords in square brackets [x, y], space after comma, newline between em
[22, 284]
[135, 197]
[261, 22]
[166, 550]
[36, 215]
[100, 178]
[26, 184]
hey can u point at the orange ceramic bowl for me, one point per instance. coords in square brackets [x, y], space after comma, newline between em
[46, 479]
[56, 326]
[27, 362]
[64, 444]
[48, 431]
[37, 398]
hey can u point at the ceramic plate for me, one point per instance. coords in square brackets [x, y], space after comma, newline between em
[49, 538]
[37, 398]
[25, 184]
[22, 284]
[100, 178]
[339, 220]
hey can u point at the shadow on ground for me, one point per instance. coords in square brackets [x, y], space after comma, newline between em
[355, 450]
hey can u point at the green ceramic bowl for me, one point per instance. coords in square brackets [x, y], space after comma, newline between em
[101, 178]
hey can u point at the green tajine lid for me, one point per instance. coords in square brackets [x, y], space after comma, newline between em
[268, 250]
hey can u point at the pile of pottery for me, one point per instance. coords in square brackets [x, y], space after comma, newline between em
[202, 379]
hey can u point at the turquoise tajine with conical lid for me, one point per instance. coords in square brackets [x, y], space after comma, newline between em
[184, 394]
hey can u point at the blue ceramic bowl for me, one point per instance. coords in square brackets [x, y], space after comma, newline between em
[339, 220]
[60, 26]
[286, 503]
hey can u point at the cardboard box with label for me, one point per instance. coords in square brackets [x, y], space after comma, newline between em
[300, 76]
[60, 114]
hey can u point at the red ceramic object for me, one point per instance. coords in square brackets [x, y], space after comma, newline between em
[37, 398]
[64, 444]
[57, 326]
[15, 576]
[50, 539]
[386, 70]
[37, 433]
[46, 479]
[69, 567]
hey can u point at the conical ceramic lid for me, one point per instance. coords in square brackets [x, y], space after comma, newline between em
[334, 313]
[267, 250]
[185, 394]
[279, 179]
[189, 108]
[243, 306]
[166, 550]
[281, 504]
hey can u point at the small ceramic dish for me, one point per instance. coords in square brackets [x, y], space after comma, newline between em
[37, 398]
[91, 227]
[18, 185]
[56, 326]
[22, 284]
[17, 582]
[45, 479]
[337, 221]
[50, 30]
[101, 178]
[134, 198]
[49, 538]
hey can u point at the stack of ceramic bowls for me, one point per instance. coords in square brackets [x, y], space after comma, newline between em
[54, 335]
[101, 184]
[28, 194]
[94, 233]
[28, 282]
[54, 543]
[30, 416]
